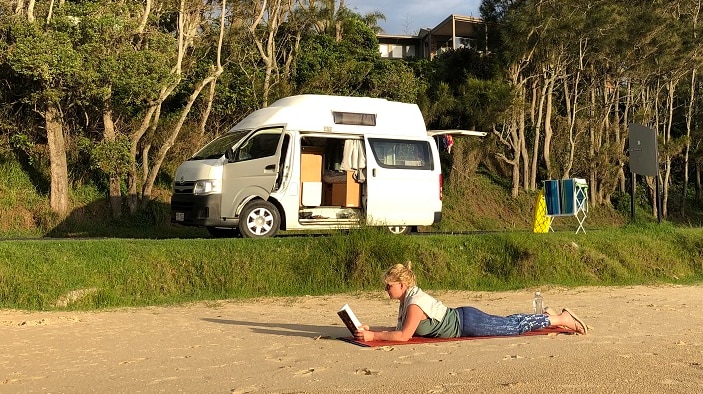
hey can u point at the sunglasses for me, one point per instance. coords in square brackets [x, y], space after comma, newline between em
[389, 285]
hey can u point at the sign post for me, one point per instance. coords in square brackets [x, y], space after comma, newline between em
[643, 160]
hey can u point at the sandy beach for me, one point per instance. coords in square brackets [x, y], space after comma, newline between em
[643, 339]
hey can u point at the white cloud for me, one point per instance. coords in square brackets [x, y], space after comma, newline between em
[408, 16]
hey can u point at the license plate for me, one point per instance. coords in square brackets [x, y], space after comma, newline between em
[180, 216]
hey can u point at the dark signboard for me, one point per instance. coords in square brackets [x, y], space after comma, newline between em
[643, 150]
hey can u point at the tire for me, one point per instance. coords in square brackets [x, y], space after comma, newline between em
[400, 230]
[259, 219]
[222, 232]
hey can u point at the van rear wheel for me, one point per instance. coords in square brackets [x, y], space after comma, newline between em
[259, 219]
[400, 230]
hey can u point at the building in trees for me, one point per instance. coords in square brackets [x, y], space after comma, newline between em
[454, 32]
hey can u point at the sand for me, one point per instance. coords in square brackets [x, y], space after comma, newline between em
[642, 339]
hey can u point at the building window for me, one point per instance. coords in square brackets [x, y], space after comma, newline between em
[410, 51]
[396, 51]
[464, 42]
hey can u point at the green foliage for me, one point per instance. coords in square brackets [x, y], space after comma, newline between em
[111, 157]
[352, 66]
[455, 67]
[483, 103]
[464, 91]
[45, 57]
[359, 40]
[317, 53]
[23, 143]
[392, 80]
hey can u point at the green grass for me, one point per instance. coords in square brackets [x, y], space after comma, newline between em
[21, 205]
[35, 274]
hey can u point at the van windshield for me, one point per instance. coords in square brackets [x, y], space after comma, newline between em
[219, 146]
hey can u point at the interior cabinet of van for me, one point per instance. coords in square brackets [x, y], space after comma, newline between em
[311, 176]
[343, 194]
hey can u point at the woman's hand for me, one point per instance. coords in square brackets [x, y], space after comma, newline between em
[364, 334]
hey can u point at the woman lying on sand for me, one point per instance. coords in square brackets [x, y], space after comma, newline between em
[419, 314]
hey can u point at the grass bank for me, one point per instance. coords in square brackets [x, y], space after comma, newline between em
[104, 273]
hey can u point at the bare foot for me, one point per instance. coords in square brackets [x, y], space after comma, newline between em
[578, 325]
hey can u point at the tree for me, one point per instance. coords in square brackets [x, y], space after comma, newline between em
[351, 66]
[46, 61]
[211, 78]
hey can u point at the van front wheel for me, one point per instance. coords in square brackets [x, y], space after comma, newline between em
[259, 219]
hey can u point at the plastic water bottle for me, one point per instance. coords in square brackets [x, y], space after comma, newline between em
[538, 303]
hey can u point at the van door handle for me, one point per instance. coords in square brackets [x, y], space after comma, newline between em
[373, 172]
[271, 167]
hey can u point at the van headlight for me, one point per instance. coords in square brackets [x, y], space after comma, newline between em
[207, 186]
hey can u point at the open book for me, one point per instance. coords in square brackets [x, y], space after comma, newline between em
[349, 318]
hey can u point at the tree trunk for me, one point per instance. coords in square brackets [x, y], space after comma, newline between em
[698, 181]
[538, 128]
[145, 17]
[30, 11]
[266, 44]
[687, 149]
[671, 89]
[548, 132]
[338, 22]
[57, 157]
[218, 70]
[133, 181]
[109, 135]
[623, 136]
[206, 113]
[51, 12]
[522, 115]
[20, 7]
[515, 162]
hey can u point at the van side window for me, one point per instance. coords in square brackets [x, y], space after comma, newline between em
[263, 143]
[402, 154]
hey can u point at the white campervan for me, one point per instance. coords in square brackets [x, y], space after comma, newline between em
[314, 162]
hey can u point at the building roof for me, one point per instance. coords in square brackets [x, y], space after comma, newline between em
[463, 26]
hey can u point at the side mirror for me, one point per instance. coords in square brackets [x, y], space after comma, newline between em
[229, 155]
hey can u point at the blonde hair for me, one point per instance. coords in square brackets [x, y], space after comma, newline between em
[400, 273]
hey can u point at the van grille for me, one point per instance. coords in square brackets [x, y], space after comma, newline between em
[183, 187]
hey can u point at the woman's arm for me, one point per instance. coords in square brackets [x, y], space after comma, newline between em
[414, 315]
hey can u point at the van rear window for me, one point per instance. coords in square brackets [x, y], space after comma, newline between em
[356, 119]
[402, 154]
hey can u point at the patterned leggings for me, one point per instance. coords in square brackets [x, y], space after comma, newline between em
[475, 323]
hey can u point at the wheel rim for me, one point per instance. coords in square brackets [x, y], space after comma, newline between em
[398, 229]
[260, 221]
